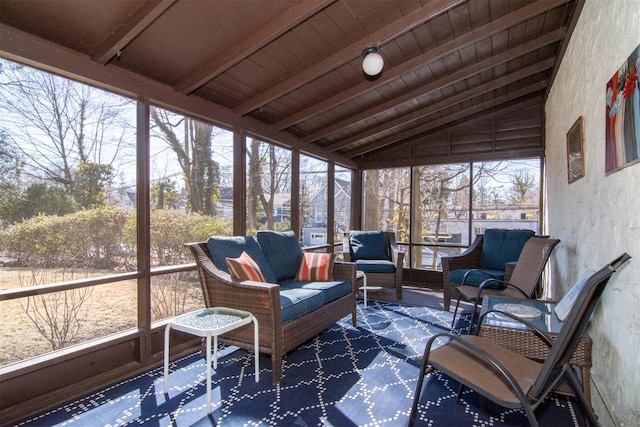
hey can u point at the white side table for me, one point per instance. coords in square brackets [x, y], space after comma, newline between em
[361, 276]
[210, 322]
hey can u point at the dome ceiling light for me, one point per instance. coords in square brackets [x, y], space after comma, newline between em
[372, 62]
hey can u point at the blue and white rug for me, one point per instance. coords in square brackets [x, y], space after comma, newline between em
[346, 376]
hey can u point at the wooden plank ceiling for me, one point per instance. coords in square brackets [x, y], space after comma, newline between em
[461, 80]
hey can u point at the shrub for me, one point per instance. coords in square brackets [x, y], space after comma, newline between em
[171, 229]
[105, 237]
[90, 238]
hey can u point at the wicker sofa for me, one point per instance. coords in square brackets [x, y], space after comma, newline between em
[285, 318]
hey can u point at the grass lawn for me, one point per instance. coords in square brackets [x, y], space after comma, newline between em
[30, 325]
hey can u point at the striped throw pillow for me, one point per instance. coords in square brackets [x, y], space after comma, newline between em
[316, 267]
[244, 268]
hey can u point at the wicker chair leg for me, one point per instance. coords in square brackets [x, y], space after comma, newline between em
[276, 369]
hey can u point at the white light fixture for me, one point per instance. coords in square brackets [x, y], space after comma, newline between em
[372, 63]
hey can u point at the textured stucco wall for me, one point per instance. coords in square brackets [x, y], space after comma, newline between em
[598, 216]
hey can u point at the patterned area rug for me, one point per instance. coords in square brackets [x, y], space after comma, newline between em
[346, 376]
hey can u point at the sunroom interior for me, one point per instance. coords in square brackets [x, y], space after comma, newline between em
[227, 117]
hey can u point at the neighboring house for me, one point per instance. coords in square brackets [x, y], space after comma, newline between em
[225, 203]
[314, 231]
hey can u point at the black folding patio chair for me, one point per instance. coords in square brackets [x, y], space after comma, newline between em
[510, 379]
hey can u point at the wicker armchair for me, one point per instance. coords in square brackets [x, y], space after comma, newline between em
[505, 245]
[521, 283]
[385, 269]
[263, 301]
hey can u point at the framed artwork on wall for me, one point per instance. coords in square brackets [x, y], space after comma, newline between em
[575, 151]
[623, 116]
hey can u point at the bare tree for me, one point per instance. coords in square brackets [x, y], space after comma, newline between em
[174, 294]
[313, 192]
[523, 183]
[438, 187]
[372, 199]
[10, 171]
[56, 124]
[394, 200]
[191, 141]
[254, 183]
[269, 175]
[57, 316]
[485, 177]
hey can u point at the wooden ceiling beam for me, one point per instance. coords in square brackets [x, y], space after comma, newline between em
[466, 39]
[256, 40]
[450, 79]
[379, 160]
[490, 156]
[412, 133]
[354, 50]
[445, 103]
[130, 29]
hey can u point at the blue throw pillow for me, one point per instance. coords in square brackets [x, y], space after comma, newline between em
[221, 247]
[502, 246]
[368, 245]
[282, 251]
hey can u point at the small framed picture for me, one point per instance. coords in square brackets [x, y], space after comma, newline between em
[575, 151]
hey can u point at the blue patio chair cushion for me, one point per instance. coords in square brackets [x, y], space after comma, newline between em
[475, 278]
[297, 302]
[282, 251]
[221, 247]
[375, 266]
[368, 245]
[502, 246]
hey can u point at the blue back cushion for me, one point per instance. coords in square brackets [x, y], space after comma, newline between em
[221, 247]
[282, 251]
[502, 246]
[368, 245]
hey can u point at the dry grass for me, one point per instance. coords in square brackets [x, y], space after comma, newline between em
[108, 309]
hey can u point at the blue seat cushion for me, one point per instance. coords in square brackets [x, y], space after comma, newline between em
[375, 266]
[330, 290]
[298, 302]
[221, 247]
[476, 277]
[502, 246]
[282, 251]
[368, 245]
